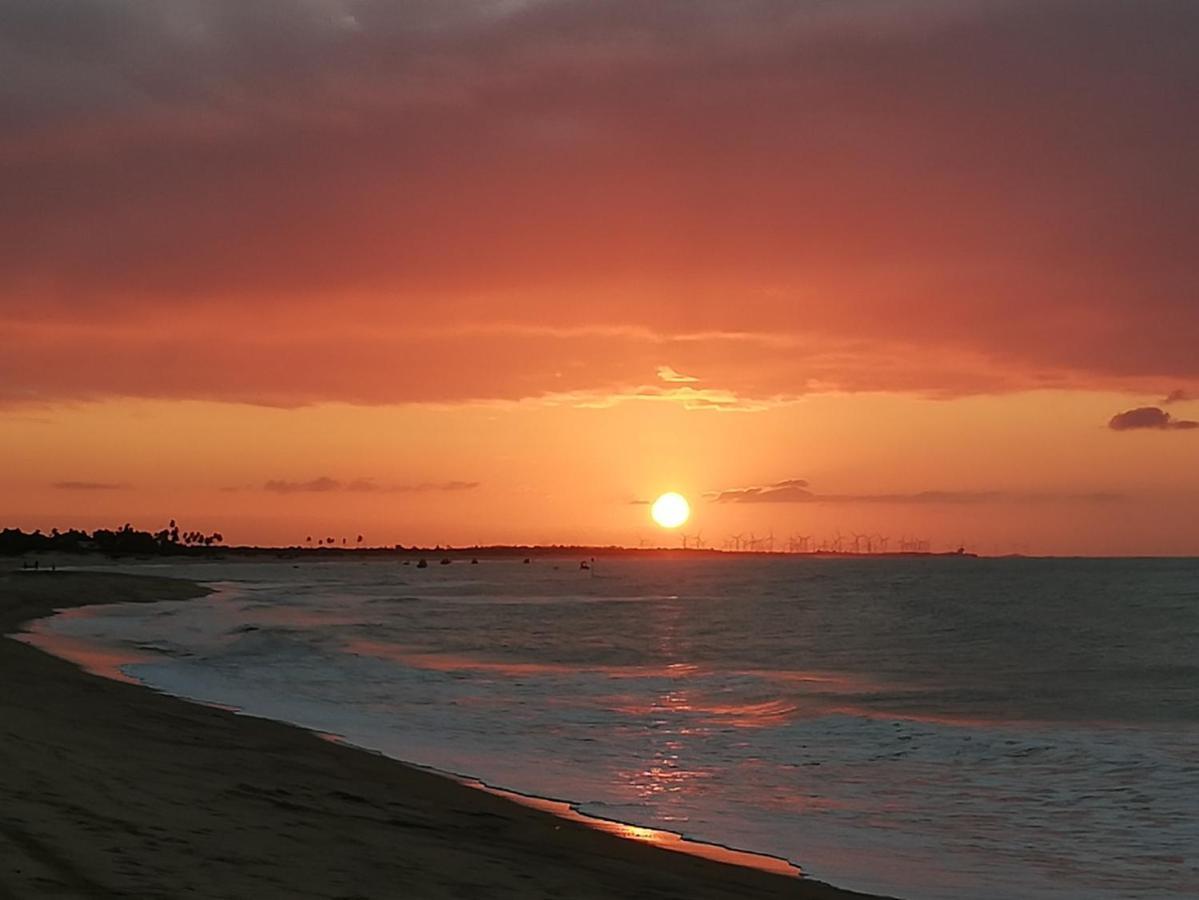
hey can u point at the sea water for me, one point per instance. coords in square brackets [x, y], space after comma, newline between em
[924, 727]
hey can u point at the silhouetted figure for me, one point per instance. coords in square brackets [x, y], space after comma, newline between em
[422, 564]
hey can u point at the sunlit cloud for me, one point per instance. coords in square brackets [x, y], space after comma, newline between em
[711, 399]
[796, 490]
[666, 373]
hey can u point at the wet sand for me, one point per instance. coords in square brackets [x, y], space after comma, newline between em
[108, 789]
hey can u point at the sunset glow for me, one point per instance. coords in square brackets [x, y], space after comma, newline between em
[497, 277]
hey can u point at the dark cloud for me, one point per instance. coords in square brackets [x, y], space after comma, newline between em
[363, 485]
[1177, 396]
[796, 491]
[948, 181]
[1149, 417]
[91, 486]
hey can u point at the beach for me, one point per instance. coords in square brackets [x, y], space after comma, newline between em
[108, 789]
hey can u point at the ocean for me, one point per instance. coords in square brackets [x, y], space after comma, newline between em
[930, 728]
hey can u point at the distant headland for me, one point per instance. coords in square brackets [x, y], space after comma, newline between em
[129, 542]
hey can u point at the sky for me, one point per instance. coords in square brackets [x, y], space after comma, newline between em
[504, 270]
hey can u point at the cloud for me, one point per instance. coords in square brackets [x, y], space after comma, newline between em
[436, 486]
[793, 490]
[717, 399]
[363, 485]
[796, 491]
[1177, 396]
[315, 486]
[91, 486]
[610, 170]
[1149, 417]
[666, 373]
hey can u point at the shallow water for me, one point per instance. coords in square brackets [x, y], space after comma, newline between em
[932, 728]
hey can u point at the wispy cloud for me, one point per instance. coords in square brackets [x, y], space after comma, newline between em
[1152, 418]
[717, 399]
[666, 373]
[434, 486]
[325, 484]
[91, 486]
[793, 490]
[315, 486]
[796, 490]
[1178, 396]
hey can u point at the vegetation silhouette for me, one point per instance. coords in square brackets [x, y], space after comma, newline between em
[123, 541]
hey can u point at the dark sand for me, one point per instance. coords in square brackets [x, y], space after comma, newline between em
[112, 790]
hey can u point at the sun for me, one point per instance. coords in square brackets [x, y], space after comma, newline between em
[670, 510]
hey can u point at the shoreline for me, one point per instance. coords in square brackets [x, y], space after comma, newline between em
[109, 664]
[112, 788]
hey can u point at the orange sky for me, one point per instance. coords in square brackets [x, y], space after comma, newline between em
[483, 271]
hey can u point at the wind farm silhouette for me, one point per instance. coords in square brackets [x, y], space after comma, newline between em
[835, 544]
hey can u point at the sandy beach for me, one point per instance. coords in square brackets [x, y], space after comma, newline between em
[109, 789]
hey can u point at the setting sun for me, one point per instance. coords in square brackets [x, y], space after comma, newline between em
[671, 510]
